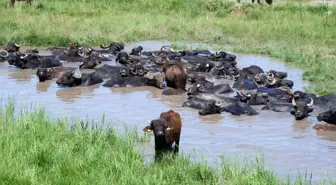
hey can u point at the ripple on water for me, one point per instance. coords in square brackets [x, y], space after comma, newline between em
[288, 144]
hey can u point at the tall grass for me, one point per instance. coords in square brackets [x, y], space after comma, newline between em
[300, 34]
[36, 149]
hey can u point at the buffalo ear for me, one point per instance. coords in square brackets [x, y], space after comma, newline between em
[148, 129]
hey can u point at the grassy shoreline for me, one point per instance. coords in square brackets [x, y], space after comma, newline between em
[37, 149]
[300, 34]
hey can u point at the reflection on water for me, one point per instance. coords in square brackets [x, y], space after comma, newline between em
[288, 144]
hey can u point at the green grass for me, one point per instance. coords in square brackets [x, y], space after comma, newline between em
[299, 34]
[36, 149]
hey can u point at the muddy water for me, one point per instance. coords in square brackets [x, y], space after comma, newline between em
[288, 145]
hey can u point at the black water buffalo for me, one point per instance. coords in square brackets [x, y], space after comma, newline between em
[245, 84]
[91, 62]
[74, 78]
[240, 108]
[108, 71]
[195, 52]
[134, 70]
[45, 74]
[205, 107]
[299, 108]
[277, 74]
[302, 108]
[203, 79]
[324, 102]
[204, 66]
[113, 48]
[136, 51]
[217, 89]
[3, 55]
[223, 56]
[33, 61]
[276, 82]
[164, 50]
[329, 117]
[150, 79]
[12, 47]
[253, 98]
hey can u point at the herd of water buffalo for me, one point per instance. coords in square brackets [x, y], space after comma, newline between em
[195, 73]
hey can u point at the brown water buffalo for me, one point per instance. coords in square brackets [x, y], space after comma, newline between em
[176, 75]
[167, 130]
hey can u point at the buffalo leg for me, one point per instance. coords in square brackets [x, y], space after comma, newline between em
[177, 144]
[11, 3]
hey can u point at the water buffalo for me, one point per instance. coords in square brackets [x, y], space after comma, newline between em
[204, 66]
[205, 107]
[136, 51]
[3, 55]
[324, 102]
[217, 89]
[33, 61]
[302, 108]
[239, 108]
[176, 75]
[91, 63]
[108, 71]
[203, 79]
[329, 117]
[150, 79]
[167, 131]
[12, 47]
[74, 78]
[113, 48]
[276, 82]
[223, 56]
[277, 74]
[299, 108]
[253, 98]
[45, 74]
[245, 84]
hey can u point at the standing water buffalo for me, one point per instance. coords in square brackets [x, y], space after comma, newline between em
[167, 131]
[176, 75]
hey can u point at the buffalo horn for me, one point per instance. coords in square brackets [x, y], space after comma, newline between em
[311, 102]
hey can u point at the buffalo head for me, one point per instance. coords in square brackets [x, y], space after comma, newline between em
[302, 108]
[70, 78]
[13, 46]
[211, 107]
[156, 79]
[45, 74]
[328, 116]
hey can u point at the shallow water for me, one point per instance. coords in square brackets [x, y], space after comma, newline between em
[288, 145]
